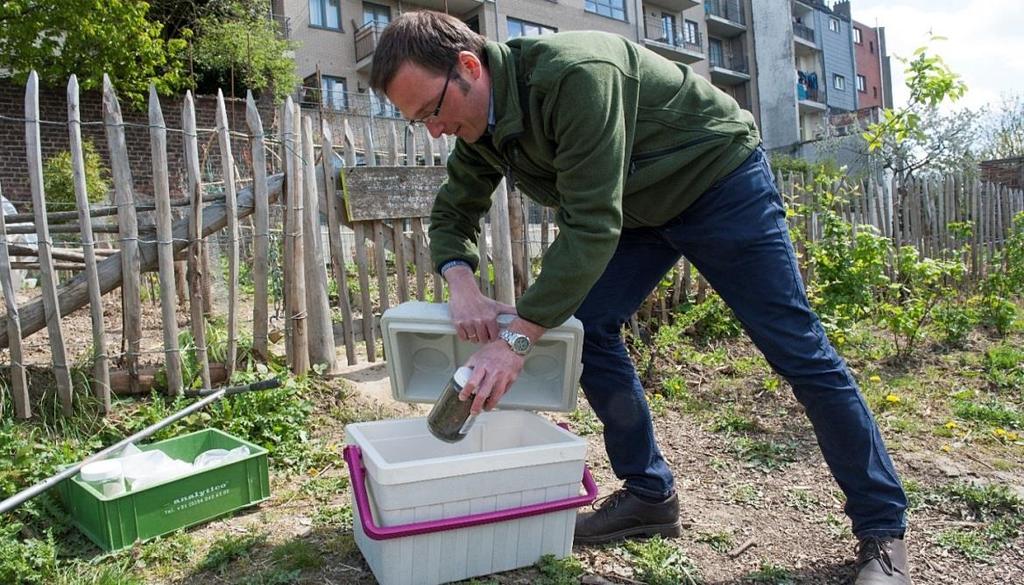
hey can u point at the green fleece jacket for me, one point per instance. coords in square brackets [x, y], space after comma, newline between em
[608, 133]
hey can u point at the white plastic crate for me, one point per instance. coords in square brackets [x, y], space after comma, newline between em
[429, 512]
[517, 470]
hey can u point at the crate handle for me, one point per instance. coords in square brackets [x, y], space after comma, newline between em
[354, 458]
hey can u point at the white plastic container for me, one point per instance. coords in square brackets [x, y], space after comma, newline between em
[106, 477]
[429, 512]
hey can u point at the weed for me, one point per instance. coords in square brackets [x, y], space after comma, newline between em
[954, 321]
[656, 402]
[718, 541]
[585, 422]
[324, 489]
[1004, 366]
[746, 495]
[801, 499]
[274, 577]
[31, 561]
[565, 571]
[984, 502]
[969, 543]
[992, 412]
[708, 321]
[333, 516]
[838, 526]
[729, 422]
[116, 573]
[674, 388]
[772, 574]
[763, 455]
[297, 555]
[166, 553]
[657, 562]
[229, 548]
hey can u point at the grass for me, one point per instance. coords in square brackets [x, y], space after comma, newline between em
[770, 574]
[297, 555]
[583, 421]
[720, 542]
[565, 571]
[763, 455]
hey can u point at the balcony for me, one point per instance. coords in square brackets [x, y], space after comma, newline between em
[805, 34]
[725, 18]
[366, 37]
[674, 5]
[728, 69]
[810, 97]
[454, 7]
[673, 44]
[282, 26]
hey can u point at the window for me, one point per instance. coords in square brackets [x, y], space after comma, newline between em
[833, 24]
[668, 28]
[871, 45]
[383, 107]
[692, 33]
[857, 36]
[862, 84]
[377, 14]
[523, 28]
[611, 8]
[838, 81]
[325, 14]
[333, 89]
[874, 91]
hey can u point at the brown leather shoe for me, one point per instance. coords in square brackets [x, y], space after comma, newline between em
[624, 515]
[882, 561]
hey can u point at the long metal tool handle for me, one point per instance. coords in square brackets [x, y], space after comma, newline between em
[209, 396]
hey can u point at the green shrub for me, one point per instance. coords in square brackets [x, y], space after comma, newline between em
[708, 321]
[954, 321]
[59, 184]
[30, 561]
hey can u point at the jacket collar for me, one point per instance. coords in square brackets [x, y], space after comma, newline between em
[501, 64]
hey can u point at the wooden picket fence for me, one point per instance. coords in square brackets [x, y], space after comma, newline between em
[371, 189]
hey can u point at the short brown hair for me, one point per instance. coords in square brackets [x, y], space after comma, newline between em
[429, 39]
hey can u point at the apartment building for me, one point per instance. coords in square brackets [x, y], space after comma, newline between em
[337, 38]
[792, 63]
[873, 90]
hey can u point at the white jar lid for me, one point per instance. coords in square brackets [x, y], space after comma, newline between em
[106, 470]
[462, 375]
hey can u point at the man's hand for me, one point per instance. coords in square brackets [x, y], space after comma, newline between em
[495, 368]
[475, 316]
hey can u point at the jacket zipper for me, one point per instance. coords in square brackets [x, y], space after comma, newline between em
[638, 158]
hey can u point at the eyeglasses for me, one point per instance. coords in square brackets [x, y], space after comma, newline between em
[440, 102]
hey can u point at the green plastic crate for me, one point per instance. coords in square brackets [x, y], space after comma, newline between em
[118, 522]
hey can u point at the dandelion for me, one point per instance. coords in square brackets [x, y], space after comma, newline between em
[946, 448]
[893, 399]
[875, 379]
[951, 425]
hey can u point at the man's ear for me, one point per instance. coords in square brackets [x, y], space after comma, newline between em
[470, 63]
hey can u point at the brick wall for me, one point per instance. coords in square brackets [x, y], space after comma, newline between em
[54, 137]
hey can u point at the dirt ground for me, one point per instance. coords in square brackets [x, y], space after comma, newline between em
[786, 509]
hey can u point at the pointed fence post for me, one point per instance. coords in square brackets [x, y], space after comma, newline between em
[196, 266]
[321, 330]
[261, 229]
[227, 161]
[297, 290]
[334, 239]
[19, 385]
[164, 245]
[101, 368]
[46, 273]
[501, 246]
[128, 227]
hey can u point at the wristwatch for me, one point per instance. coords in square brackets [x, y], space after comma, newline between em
[517, 341]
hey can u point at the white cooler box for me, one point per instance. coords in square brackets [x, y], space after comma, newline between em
[429, 512]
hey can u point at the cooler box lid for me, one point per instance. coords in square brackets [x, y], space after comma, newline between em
[423, 351]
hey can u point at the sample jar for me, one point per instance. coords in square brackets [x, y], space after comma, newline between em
[450, 419]
[106, 476]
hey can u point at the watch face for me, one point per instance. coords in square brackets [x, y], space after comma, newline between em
[521, 344]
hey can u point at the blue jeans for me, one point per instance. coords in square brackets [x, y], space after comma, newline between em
[736, 236]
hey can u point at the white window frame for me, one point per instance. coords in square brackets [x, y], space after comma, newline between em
[858, 36]
[862, 84]
[833, 24]
[838, 82]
